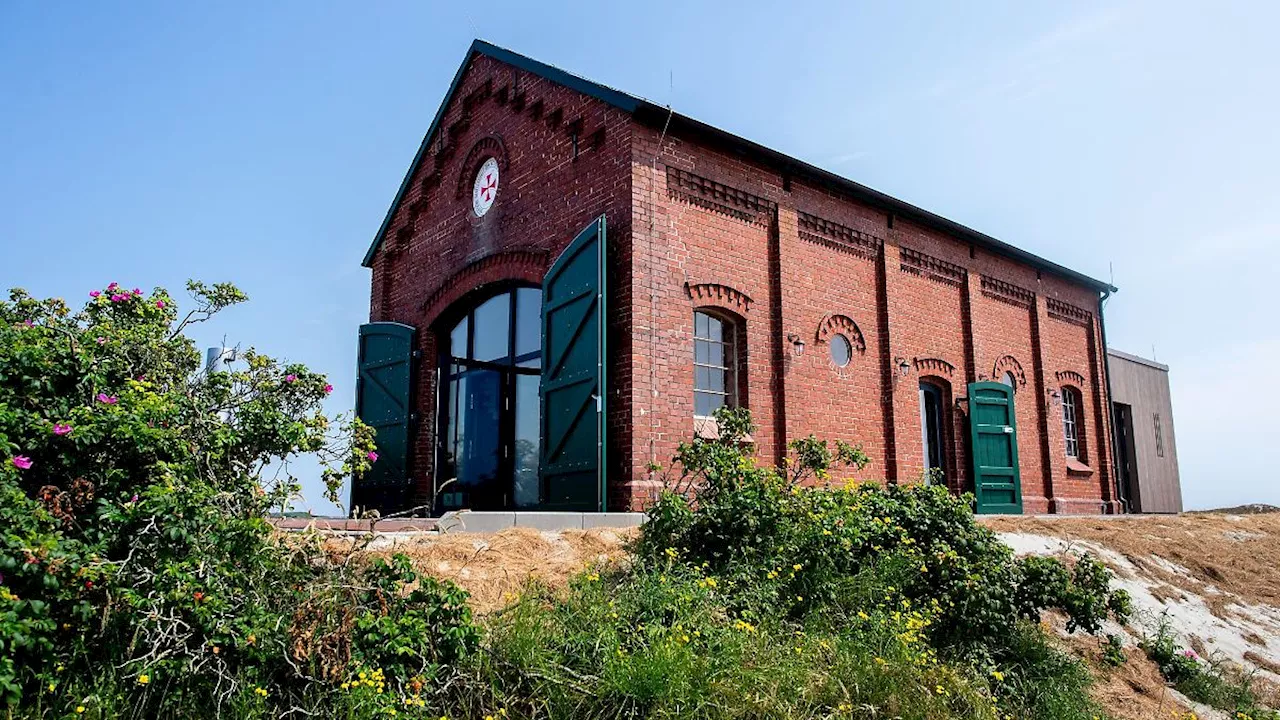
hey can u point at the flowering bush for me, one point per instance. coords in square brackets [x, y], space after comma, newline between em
[138, 571]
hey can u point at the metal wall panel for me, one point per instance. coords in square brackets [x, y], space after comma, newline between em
[1143, 385]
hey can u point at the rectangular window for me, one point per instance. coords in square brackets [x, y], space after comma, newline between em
[715, 383]
[1155, 421]
[1070, 428]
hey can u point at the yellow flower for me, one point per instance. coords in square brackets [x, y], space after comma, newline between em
[259, 692]
[251, 639]
[144, 679]
[53, 686]
[797, 567]
[79, 709]
[999, 676]
[593, 577]
[672, 553]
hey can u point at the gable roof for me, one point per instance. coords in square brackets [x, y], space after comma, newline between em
[653, 114]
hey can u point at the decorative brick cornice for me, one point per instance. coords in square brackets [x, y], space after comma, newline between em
[1070, 377]
[1007, 292]
[929, 267]
[834, 235]
[721, 295]
[842, 325]
[1068, 313]
[934, 366]
[1009, 364]
[720, 198]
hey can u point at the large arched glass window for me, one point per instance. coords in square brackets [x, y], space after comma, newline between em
[490, 370]
[715, 363]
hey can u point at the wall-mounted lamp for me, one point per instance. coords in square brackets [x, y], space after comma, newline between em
[1055, 397]
[904, 367]
[797, 345]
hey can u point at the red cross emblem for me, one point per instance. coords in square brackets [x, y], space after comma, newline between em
[488, 187]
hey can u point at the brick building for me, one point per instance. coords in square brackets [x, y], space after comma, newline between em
[571, 279]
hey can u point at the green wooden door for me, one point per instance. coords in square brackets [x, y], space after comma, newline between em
[384, 391]
[994, 448]
[573, 376]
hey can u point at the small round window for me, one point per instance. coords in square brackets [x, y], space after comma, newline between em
[841, 350]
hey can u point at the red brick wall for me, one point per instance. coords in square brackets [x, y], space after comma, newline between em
[954, 313]
[691, 226]
[436, 251]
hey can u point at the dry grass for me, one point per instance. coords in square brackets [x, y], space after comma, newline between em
[494, 568]
[1239, 554]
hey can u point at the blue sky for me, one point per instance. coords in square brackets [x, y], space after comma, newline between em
[260, 143]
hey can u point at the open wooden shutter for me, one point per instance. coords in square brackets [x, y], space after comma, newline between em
[573, 375]
[997, 485]
[384, 393]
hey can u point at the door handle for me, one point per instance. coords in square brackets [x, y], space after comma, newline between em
[1008, 429]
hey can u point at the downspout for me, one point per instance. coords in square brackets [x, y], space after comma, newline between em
[1110, 409]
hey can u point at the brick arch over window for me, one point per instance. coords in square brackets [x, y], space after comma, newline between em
[1009, 364]
[490, 146]
[833, 324]
[527, 266]
[1070, 377]
[935, 366]
[721, 296]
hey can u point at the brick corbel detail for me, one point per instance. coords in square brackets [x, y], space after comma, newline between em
[715, 294]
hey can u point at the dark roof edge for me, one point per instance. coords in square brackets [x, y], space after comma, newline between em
[1137, 359]
[653, 114]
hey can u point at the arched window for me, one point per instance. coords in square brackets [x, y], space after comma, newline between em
[490, 371]
[715, 363]
[1009, 379]
[933, 430]
[1073, 422]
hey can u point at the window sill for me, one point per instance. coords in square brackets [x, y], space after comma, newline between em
[1075, 467]
[706, 428]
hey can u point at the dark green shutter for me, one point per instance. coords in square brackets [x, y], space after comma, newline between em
[573, 377]
[994, 448]
[384, 392]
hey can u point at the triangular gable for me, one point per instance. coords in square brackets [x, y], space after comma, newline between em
[616, 98]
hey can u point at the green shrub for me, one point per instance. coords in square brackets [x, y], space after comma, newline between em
[138, 572]
[1213, 683]
[787, 547]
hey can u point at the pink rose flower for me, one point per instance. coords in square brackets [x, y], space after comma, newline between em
[373, 456]
[328, 389]
[160, 304]
[22, 462]
[112, 287]
[290, 378]
[107, 399]
[137, 291]
[102, 340]
[1189, 653]
[61, 429]
[28, 323]
[119, 298]
[94, 293]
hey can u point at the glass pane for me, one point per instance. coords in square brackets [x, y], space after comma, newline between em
[715, 329]
[1008, 379]
[701, 351]
[699, 325]
[716, 378]
[529, 327]
[841, 350]
[701, 378]
[476, 444]
[527, 487]
[706, 403]
[493, 328]
[458, 338]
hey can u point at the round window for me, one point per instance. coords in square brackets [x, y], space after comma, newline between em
[841, 350]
